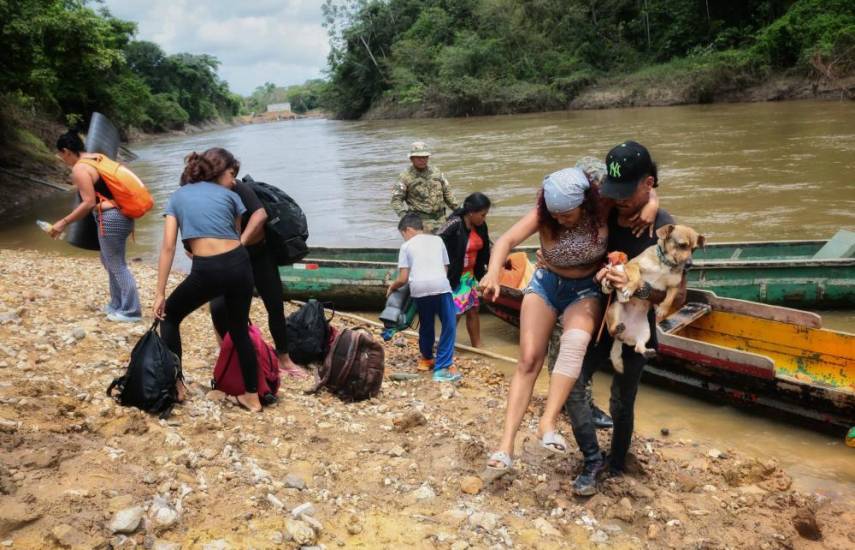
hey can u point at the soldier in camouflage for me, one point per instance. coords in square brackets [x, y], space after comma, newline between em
[423, 190]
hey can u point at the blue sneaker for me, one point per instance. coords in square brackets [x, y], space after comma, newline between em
[108, 309]
[445, 375]
[122, 318]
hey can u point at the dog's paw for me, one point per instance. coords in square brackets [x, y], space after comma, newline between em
[649, 353]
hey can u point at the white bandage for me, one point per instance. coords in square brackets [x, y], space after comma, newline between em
[574, 343]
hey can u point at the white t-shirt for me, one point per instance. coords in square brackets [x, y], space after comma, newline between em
[426, 258]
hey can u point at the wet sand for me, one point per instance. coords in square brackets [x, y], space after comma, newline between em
[402, 470]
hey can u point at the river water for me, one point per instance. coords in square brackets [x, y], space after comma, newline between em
[735, 172]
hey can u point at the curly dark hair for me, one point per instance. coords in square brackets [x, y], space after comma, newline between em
[208, 166]
[591, 205]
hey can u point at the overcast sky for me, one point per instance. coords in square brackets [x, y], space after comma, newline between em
[256, 41]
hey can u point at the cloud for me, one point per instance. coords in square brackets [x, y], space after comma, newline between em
[256, 41]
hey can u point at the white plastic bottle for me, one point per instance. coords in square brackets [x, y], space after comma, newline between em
[46, 227]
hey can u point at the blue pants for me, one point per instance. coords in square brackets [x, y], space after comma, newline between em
[429, 307]
[113, 237]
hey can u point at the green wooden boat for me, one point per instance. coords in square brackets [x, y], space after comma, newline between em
[817, 274]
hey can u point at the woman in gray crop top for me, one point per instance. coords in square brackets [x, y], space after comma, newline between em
[570, 219]
[207, 213]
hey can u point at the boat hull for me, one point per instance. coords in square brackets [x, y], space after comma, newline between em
[780, 272]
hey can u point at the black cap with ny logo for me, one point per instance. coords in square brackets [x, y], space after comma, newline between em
[626, 164]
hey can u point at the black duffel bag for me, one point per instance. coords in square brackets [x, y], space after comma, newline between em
[149, 383]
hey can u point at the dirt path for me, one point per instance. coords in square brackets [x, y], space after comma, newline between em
[402, 470]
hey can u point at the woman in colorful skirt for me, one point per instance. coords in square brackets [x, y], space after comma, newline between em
[468, 243]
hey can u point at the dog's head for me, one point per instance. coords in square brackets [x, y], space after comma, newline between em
[617, 258]
[678, 242]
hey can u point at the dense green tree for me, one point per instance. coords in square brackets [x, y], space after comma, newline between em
[489, 56]
[67, 59]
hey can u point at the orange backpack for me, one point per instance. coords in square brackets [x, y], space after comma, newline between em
[129, 192]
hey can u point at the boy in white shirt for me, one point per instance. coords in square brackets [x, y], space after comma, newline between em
[423, 262]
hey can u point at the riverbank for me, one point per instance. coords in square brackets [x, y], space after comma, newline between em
[658, 86]
[405, 469]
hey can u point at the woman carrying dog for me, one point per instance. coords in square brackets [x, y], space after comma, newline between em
[208, 214]
[570, 219]
[468, 244]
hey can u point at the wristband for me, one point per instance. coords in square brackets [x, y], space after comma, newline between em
[644, 291]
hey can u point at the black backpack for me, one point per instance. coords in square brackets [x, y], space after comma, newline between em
[308, 332]
[286, 230]
[150, 380]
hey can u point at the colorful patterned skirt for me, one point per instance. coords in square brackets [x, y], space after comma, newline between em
[466, 295]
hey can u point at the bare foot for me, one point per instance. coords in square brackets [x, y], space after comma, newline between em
[290, 368]
[250, 402]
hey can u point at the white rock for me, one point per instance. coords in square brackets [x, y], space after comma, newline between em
[294, 482]
[306, 508]
[275, 502]
[425, 492]
[316, 525]
[127, 520]
[299, 532]
[485, 520]
[714, 453]
[165, 545]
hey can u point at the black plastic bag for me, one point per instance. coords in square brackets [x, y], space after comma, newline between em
[150, 381]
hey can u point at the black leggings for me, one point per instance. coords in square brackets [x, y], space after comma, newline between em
[269, 287]
[226, 275]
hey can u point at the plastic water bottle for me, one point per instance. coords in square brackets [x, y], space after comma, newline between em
[46, 227]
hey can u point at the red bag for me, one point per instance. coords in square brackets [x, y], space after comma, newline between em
[227, 375]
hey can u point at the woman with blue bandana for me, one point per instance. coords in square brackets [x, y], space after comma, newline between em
[570, 219]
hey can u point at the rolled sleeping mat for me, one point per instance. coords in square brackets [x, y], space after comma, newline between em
[102, 137]
[394, 314]
[84, 232]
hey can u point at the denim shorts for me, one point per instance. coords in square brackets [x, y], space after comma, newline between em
[558, 292]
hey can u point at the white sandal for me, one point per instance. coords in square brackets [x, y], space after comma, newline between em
[554, 442]
[501, 457]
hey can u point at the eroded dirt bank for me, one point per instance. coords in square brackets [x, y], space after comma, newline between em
[403, 470]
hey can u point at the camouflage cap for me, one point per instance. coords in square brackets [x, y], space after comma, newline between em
[419, 149]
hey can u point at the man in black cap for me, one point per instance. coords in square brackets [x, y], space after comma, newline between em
[632, 175]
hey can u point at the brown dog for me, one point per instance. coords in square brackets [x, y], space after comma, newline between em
[661, 266]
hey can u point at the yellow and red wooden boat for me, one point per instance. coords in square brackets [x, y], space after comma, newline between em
[761, 355]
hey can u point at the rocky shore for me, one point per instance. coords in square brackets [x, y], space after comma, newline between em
[403, 470]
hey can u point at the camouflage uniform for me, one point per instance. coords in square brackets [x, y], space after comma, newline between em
[424, 192]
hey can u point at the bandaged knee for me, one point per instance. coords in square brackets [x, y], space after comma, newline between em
[574, 343]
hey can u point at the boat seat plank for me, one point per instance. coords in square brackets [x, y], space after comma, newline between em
[841, 245]
[684, 316]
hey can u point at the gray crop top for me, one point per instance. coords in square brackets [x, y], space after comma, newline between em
[578, 246]
[205, 209]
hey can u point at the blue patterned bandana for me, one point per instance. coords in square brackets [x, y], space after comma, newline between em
[565, 190]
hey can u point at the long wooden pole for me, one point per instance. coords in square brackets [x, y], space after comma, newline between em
[413, 334]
